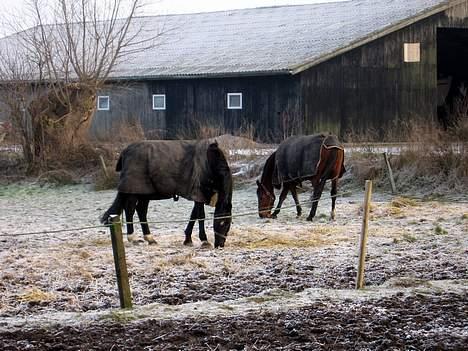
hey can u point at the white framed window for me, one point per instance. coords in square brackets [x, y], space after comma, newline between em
[412, 52]
[103, 103]
[159, 101]
[234, 101]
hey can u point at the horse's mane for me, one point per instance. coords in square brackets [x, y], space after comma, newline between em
[200, 167]
[268, 170]
[222, 172]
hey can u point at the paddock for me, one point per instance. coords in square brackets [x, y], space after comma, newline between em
[267, 265]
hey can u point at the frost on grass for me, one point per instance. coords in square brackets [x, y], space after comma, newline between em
[74, 271]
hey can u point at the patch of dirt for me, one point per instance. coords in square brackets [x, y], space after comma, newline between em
[419, 322]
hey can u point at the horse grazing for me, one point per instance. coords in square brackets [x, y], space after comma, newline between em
[157, 170]
[316, 158]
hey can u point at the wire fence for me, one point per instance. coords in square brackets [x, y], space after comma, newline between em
[176, 221]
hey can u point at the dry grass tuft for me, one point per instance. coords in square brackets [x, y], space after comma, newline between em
[123, 131]
[99, 242]
[82, 254]
[201, 130]
[35, 295]
[106, 182]
[402, 202]
[438, 230]
[394, 211]
[432, 159]
[252, 238]
[366, 166]
[57, 177]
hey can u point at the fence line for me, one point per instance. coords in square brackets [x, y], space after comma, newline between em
[245, 214]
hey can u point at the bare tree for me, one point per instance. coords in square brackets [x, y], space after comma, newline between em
[67, 55]
[19, 91]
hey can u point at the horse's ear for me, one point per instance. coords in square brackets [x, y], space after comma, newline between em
[258, 182]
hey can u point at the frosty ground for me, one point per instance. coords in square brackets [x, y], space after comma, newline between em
[278, 284]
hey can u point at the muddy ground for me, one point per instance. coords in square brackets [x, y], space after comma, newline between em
[283, 284]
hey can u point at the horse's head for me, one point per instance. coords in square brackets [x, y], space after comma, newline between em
[222, 183]
[266, 200]
[222, 223]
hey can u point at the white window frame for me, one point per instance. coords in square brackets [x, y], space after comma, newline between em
[156, 107]
[412, 52]
[229, 101]
[100, 97]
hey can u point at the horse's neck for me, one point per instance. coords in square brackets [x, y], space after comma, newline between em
[268, 169]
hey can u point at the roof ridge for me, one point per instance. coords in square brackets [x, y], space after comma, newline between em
[317, 4]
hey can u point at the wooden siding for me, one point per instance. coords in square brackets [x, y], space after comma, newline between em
[191, 103]
[370, 90]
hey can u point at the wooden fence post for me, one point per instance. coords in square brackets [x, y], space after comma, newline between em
[118, 248]
[363, 240]
[104, 168]
[390, 173]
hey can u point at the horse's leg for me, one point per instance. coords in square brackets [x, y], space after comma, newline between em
[191, 223]
[284, 193]
[333, 192]
[201, 226]
[201, 222]
[129, 209]
[316, 197]
[296, 201]
[142, 210]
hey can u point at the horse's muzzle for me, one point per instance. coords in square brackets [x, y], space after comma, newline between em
[265, 214]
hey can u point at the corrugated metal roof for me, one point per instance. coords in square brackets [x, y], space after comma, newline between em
[280, 39]
[259, 41]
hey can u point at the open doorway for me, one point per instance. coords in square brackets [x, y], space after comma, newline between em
[452, 75]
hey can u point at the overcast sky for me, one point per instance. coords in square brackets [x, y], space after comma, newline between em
[10, 8]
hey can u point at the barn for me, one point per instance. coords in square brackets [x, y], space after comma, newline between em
[352, 67]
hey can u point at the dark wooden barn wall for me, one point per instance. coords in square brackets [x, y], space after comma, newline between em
[370, 90]
[202, 102]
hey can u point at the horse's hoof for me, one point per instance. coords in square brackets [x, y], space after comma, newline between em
[274, 216]
[310, 219]
[188, 243]
[149, 239]
[206, 245]
[132, 238]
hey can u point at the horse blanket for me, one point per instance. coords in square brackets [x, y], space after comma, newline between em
[298, 157]
[165, 169]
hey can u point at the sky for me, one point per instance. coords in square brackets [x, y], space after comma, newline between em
[14, 8]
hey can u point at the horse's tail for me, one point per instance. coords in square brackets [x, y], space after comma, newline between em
[333, 153]
[118, 166]
[337, 162]
[115, 209]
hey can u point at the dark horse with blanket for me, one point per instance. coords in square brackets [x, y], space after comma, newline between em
[156, 170]
[316, 158]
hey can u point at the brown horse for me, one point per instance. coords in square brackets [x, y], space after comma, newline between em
[316, 158]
